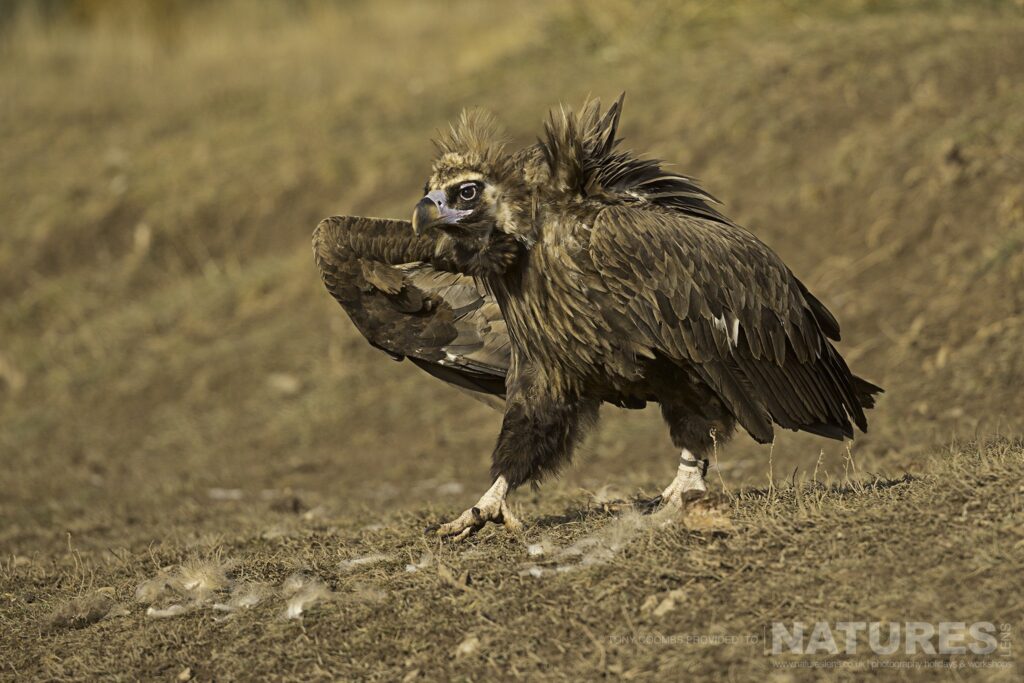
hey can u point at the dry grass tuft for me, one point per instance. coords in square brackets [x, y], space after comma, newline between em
[83, 611]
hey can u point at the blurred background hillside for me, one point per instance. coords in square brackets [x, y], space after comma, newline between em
[162, 328]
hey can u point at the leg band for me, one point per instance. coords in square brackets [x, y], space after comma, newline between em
[702, 464]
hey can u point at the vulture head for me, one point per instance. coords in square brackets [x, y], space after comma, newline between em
[476, 194]
[464, 204]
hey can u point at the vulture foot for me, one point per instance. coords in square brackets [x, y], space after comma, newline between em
[687, 486]
[492, 507]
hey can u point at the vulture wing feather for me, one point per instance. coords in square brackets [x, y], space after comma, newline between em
[446, 323]
[743, 323]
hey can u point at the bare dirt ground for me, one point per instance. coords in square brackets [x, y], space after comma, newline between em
[207, 473]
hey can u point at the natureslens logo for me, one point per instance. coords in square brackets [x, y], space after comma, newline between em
[887, 638]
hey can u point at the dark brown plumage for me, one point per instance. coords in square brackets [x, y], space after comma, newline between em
[443, 322]
[574, 273]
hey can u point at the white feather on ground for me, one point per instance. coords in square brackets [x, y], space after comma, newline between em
[592, 549]
[354, 563]
[426, 559]
[303, 592]
[170, 611]
[190, 585]
[243, 596]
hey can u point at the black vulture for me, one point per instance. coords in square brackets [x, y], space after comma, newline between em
[572, 273]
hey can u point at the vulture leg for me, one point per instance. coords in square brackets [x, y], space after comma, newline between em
[695, 430]
[538, 435]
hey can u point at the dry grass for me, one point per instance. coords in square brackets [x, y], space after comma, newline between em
[581, 594]
[179, 397]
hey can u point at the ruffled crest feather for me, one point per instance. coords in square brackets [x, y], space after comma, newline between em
[581, 151]
[476, 140]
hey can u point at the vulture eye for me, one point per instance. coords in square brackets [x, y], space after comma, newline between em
[468, 192]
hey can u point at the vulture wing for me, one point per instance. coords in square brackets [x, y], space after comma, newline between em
[381, 274]
[710, 295]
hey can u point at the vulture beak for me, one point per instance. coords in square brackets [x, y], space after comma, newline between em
[433, 210]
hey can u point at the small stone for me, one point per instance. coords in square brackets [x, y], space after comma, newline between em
[666, 606]
[649, 603]
[284, 384]
[224, 494]
[468, 646]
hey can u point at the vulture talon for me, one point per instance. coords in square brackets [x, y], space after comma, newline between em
[651, 506]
